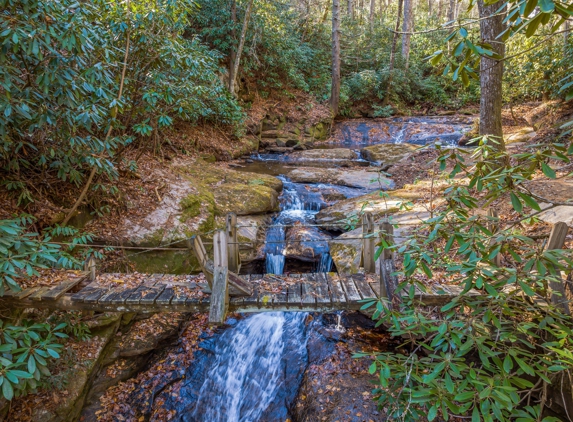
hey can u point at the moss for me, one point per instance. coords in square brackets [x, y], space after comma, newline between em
[245, 199]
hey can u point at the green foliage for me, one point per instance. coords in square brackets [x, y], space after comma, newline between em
[73, 324]
[23, 251]
[61, 66]
[488, 357]
[24, 355]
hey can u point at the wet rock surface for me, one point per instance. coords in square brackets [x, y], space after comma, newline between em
[305, 243]
[337, 387]
[386, 155]
[367, 179]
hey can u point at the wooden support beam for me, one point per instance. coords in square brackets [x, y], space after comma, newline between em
[220, 292]
[234, 258]
[368, 243]
[201, 255]
[556, 241]
[493, 226]
[388, 282]
[90, 266]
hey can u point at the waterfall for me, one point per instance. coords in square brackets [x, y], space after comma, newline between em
[325, 263]
[249, 369]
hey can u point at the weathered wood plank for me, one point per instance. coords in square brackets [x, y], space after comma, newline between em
[111, 294]
[254, 298]
[86, 291]
[60, 289]
[220, 296]
[122, 296]
[166, 295]
[308, 291]
[94, 296]
[25, 293]
[322, 290]
[337, 293]
[37, 295]
[556, 241]
[234, 258]
[350, 289]
[150, 293]
[294, 295]
[368, 243]
[139, 292]
[363, 287]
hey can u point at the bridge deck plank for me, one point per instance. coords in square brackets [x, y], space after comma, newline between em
[352, 294]
[308, 291]
[322, 290]
[363, 287]
[60, 289]
[336, 291]
[294, 295]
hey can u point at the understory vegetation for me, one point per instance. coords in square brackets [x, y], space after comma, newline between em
[89, 89]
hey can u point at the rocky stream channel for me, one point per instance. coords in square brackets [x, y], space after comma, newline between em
[296, 366]
[271, 366]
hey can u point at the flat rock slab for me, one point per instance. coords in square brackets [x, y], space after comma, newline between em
[373, 203]
[336, 157]
[562, 213]
[363, 179]
[386, 155]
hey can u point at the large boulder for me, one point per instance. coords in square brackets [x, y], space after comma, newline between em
[358, 178]
[305, 243]
[386, 155]
[339, 157]
[334, 217]
[245, 199]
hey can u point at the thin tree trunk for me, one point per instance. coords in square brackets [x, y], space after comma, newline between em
[491, 72]
[350, 8]
[233, 55]
[440, 9]
[232, 82]
[335, 88]
[451, 10]
[430, 8]
[393, 55]
[407, 28]
[372, 6]
[325, 14]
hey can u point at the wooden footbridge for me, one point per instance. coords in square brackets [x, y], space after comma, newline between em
[221, 290]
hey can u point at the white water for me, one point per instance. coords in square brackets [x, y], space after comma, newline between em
[297, 204]
[248, 372]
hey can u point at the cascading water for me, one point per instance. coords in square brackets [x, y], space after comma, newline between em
[257, 369]
[298, 204]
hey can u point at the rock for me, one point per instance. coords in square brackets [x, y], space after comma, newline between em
[386, 155]
[364, 179]
[251, 233]
[523, 135]
[534, 117]
[310, 251]
[346, 249]
[555, 215]
[372, 202]
[325, 154]
[245, 199]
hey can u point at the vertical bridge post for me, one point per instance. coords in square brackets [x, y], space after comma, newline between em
[368, 243]
[234, 258]
[220, 292]
[493, 226]
[556, 241]
[387, 267]
[90, 266]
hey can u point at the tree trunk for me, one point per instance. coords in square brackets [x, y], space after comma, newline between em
[408, 25]
[451, 10]
[372, 6]
[491, 72]
[232, 82]
[335, 88]
[350, 9]
[430, 8]
[233, 54]
[325, 14]
[393, 55]
[440, 9]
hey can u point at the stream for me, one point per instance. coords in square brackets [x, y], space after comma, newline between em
[254, 368]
